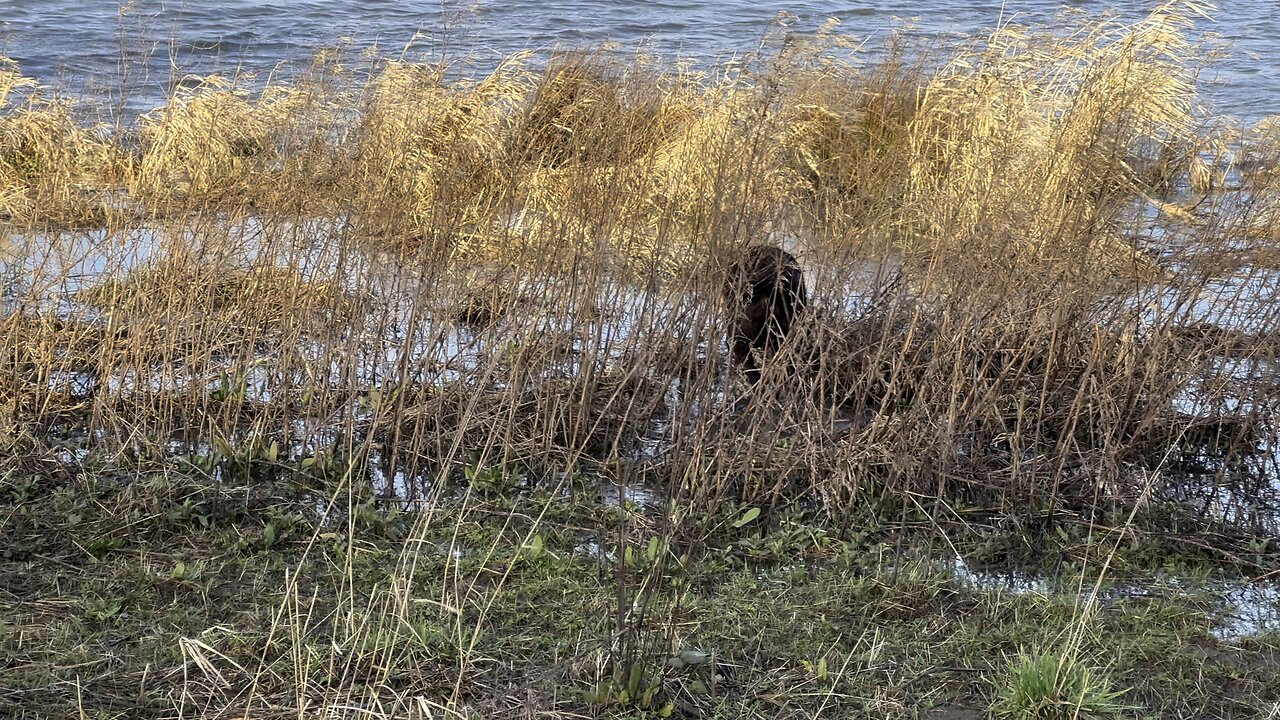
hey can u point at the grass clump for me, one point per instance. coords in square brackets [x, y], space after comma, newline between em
[1020, 127]
[209, 291]
[1052, 686]
[215, 140]
[429, 153]
[52, 168]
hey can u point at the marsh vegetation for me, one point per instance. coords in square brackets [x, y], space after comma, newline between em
[395, 392]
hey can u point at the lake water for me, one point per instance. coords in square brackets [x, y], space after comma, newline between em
[145, 46]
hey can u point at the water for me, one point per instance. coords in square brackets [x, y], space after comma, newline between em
[1240, 610]
[141, 49]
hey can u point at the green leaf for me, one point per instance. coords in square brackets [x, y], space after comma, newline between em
[634, 677]
[651, 552]
[223, 447]
[534, 546]
[748, 516]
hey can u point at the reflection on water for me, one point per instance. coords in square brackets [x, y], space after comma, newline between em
[639, 495]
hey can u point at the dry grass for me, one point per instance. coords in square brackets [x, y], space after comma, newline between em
[599, 202]
[519, 275]
[52, 169]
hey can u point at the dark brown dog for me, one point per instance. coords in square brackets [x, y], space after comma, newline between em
[765, 292]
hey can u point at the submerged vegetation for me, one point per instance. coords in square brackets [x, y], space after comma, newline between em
[395, 392]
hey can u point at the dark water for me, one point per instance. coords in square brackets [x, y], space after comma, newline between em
[143, 47]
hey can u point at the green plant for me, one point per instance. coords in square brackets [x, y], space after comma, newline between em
[1052, 686]
[493, 478]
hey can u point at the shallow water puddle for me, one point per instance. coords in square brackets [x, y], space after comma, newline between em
[53, 267]
[1242, 610]
[639, 495]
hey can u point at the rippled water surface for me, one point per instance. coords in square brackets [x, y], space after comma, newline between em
[85, 45]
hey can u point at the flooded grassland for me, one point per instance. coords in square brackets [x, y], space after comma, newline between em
[390, 394]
